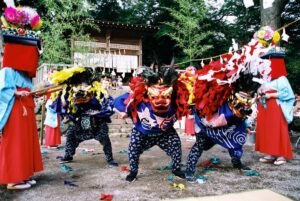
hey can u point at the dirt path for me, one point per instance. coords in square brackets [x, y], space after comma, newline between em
[94, 177]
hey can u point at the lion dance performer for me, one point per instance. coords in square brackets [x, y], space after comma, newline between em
[156, 101]
[20, 155]
[224, 92]
[89, 107]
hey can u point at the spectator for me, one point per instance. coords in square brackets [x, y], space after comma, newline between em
[296, 109]
[52, 128]
[295, 125]
[119, 82]
[189, 125]
[105, 82]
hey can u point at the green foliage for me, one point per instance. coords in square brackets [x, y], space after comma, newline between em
[290, 14]
[140, 12]
[232, 21]
[64, 21]
[185, 29]
[108, 10]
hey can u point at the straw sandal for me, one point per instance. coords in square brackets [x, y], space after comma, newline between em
[267, 159]
[18, 186]
[30, 181]
[280, 161]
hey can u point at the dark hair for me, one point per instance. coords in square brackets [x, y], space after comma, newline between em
[297, 91]
[246, 84]
[167, 75]
[85, 76]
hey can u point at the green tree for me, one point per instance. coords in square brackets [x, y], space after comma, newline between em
[290, 14]
[232, 21]
[185, 29]
[64, 21]
[140, 11]
[108, 10]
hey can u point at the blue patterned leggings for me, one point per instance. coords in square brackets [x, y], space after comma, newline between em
[168, 141]
[76, 135]
[204, 143]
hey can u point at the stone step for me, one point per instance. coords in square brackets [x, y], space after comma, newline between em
[120, 125]
[118, 121]
[127, 135]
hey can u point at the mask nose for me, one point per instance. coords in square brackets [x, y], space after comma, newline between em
[80, 94]
[161, 101]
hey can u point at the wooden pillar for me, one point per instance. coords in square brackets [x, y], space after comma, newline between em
[140, 53]
[107, 39]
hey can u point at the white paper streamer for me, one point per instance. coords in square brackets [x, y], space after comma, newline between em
[267, 3]
[248, 3]
[221, 60]
[202, 63]
[284, 36]
[10, 3]
[235, 45]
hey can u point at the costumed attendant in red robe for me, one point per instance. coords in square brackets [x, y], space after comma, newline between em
[189, 125]
[189, 78]
[52, 126]
[20, 155]
[275, 111]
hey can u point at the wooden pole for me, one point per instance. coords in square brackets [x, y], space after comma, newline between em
[42, 121]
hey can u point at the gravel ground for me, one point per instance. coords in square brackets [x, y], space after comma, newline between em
[94, 177]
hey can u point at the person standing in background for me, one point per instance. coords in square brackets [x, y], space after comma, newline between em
[296, 109]
[189, 125]
[295, 125]
[52, 127]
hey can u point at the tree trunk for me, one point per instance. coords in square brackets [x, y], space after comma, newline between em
[272, 16]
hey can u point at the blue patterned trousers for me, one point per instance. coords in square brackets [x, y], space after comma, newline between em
[204, 143]
[168, 141]
[76, 134]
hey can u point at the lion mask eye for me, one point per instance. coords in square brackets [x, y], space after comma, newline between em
[167, 92]
[75, 89]
[153, 92]
[87, 88]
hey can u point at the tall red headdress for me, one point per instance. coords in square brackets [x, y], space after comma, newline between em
[22, 44]
[278, 68]
[277, 63]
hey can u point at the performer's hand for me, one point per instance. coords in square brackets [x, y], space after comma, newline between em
[271, 95]
[37, 95]
[22, 93]
[122, 115]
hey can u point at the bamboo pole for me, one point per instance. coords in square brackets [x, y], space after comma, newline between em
[42, 121]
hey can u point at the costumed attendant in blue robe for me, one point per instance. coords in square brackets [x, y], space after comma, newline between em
[157, 100]
[275, 112]
[20, 155]
[275, 107]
